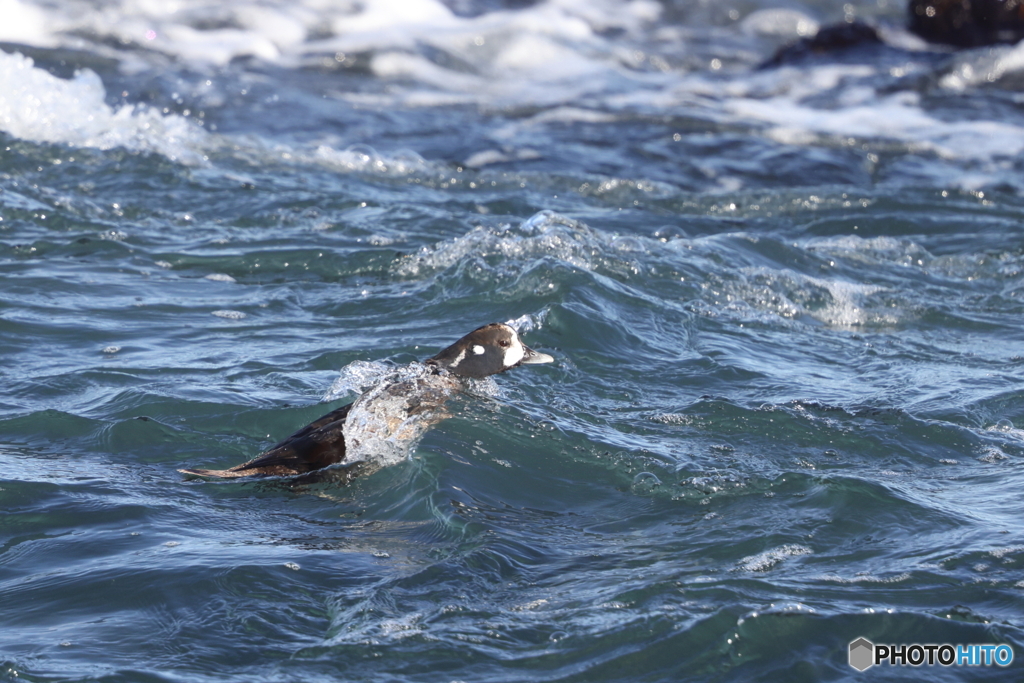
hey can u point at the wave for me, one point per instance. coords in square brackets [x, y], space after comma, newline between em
[39, 107]
[607, 62]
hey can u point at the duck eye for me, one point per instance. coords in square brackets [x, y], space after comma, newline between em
[504, 342]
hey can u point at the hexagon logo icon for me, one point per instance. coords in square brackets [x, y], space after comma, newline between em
[862, 654]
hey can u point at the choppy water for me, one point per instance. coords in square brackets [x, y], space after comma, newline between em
[785, 306]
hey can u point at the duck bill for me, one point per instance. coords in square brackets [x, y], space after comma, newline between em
[535, 357]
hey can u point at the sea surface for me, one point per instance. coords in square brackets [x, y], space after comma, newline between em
[786, 307]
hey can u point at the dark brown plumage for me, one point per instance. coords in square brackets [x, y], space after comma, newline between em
[414, 404]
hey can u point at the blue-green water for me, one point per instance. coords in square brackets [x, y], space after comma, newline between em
[785, 306]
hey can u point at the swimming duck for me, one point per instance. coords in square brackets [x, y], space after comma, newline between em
[393, 413]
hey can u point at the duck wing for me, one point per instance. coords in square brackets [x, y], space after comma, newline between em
[319, 444]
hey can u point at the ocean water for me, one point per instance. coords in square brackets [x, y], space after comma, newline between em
[785, 305]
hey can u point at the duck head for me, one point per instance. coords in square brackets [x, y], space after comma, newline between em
[486, 351]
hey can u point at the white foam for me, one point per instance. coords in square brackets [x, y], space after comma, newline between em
[280, 31]
[551, 55]
[357, 377]
[37, 106]
[527, 323]
[23, 23]
[504, 55]
[779, 23]
[546, 234]
[865, 578]
[364, 159]
[981, 67]
[388, 419]
[764, 561]
[394, 18]
[781, 101]
[217, 47]
[187, 30]
[492, 156]
[229, 314]
[788, 294]
[872, 250]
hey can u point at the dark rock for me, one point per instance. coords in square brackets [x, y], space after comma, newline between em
[831, 40]
[967, 23]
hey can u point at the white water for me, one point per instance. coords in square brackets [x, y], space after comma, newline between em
[37, 106]
[613, 58]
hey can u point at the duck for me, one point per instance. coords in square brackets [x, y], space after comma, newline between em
[375, 430]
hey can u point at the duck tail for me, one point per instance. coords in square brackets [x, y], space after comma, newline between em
[220, 474]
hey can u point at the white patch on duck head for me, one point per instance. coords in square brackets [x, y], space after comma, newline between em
[477, 350]
[515, 351]
[458, 359]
